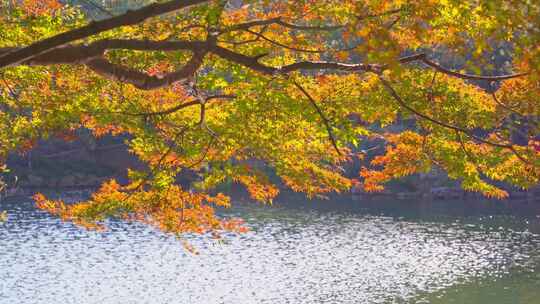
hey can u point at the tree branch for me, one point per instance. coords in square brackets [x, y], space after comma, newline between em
[469, 133]
[321, 114]
[185, 105]
[98, 7]
[279, 21]
[423, 58]
[93, 28]
[254, 64]
[176, 108]
[142, 80]
[386, 13]
[283, 45]
[80, 54]
[504, 106]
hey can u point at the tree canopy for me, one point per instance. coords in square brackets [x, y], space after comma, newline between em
[210, 86]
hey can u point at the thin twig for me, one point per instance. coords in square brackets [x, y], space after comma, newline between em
[99, 7]
[469, 133]
[292, 48]
[170, 110]
[502, 105]
[321, 114]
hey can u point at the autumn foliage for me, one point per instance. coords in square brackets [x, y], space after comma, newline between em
[271, 94]
[38, 8]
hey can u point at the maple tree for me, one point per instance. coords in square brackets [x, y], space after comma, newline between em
[209, 86]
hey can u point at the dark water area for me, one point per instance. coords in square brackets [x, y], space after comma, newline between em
[335, 251]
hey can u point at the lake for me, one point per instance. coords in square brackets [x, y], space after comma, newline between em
[299, 254]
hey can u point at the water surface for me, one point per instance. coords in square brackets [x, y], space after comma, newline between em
[291, 255]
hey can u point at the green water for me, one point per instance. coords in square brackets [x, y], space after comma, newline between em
[517, 286]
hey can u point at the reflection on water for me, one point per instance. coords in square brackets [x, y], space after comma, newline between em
[291, 256]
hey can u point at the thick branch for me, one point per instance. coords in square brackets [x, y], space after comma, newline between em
[254, 64]
[142, 80]
[80, 54]
[129, 18]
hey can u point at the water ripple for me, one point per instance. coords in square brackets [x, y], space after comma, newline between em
[288, 257]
